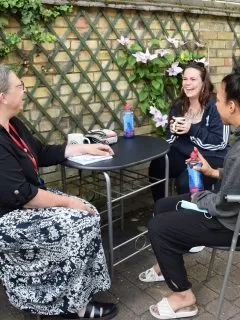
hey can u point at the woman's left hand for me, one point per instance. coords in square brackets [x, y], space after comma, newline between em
[97, 149]
[182, 127]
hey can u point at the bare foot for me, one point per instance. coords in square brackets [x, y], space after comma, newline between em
[157, 269]
[179, 300]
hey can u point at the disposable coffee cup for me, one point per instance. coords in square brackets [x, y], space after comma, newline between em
[77, 138]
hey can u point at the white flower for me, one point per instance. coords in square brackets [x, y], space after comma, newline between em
[162, 52]
[175, 69]
[144, 57]
[150, 56]
[199, 44]
[176, 42]
[123, 41]
[153, 110]
[171, 40]
[158, 117]
[140, 57]
[203, 61]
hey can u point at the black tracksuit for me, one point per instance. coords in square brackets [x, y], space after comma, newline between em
[210, 136]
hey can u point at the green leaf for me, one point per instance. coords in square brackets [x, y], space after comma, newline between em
[142, 72]
[136, 47]
[131, 60]
[132, 77]
[121, 61]
[155, 42]
[156, 84]
[3, 21]
[143, 95]
[144, 106]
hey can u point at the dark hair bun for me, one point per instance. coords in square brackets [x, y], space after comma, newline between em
[237, 69]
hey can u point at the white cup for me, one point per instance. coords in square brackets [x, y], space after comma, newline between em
[176, 121]
[77, 138]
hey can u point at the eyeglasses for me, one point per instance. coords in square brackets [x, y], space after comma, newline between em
[21, 86]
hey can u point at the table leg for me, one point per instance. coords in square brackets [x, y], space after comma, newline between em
[110, 224]
[63, 177]
[121, 201]
[166, 183]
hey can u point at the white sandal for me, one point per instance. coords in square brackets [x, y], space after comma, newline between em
[165, 311]
[150, 275]
[196, 249]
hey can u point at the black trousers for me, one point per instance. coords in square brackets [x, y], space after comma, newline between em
[178, 169]
[172, 233]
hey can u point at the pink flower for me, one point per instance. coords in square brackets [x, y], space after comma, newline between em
[123, 41]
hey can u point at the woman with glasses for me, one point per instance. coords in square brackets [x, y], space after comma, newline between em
[51, 256]
[199, 126]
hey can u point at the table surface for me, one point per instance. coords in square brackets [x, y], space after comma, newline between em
[128, 152]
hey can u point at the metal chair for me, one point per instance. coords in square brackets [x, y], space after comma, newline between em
[231, 249]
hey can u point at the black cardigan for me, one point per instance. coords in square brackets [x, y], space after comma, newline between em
[18, 180]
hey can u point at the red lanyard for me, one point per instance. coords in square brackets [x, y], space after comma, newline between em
[23, 146]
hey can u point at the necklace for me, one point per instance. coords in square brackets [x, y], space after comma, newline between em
[194, 116]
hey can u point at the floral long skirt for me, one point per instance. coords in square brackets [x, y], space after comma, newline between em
[52, 260]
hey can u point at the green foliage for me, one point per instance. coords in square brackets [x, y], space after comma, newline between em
[149, 67]
[31, 14]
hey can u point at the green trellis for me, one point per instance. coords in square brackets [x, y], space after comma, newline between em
[74, 108]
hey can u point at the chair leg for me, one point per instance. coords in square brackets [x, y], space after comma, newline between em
[224, 285]
[211, 263]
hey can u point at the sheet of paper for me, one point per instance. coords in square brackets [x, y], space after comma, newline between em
[88, 158]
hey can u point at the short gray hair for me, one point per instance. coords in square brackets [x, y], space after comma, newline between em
[4, 78]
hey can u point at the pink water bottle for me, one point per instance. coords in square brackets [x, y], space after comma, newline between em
[128, 121]
[195, 177]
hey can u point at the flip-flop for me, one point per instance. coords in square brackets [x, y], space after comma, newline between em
[165, 311]
[150, 275]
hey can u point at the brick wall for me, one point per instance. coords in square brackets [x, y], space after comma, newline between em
[75, 85]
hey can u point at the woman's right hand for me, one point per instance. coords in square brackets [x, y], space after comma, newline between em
[206, 169]
[75, 203]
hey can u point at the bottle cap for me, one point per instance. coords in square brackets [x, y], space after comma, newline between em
[127, 106]
[194, 154]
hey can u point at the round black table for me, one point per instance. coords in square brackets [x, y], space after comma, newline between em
[128, 152]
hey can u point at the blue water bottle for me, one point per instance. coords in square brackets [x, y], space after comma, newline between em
[195, 177]
[128, 122]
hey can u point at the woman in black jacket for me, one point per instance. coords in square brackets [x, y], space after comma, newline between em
[202, 128]
[51, 255]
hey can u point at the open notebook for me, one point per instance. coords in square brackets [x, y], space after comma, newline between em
[88, 158]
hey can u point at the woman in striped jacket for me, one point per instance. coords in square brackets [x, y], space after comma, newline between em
[201, 127]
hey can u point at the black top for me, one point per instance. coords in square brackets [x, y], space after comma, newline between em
[18, 180]
[128, 152]
[210, 135]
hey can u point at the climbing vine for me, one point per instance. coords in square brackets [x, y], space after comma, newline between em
[31, 14]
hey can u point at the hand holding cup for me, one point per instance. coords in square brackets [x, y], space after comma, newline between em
[180, 125]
